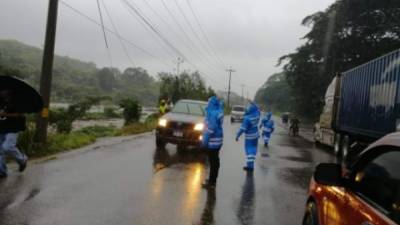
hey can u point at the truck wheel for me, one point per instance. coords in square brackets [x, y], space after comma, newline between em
[311, 215]
[337, 147]
[160, 143]
[232, 120]
[346, 147]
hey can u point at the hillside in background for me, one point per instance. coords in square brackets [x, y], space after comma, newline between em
[74, 79]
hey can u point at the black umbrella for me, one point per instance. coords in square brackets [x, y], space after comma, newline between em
[24, 98]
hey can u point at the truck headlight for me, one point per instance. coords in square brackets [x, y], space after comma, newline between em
[162, 122]
[199, 126]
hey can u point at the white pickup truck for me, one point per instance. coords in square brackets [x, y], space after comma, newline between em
[237, 113]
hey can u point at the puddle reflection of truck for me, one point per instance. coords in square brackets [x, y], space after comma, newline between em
[361, 105]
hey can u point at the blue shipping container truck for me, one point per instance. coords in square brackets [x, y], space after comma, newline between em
[361, 105]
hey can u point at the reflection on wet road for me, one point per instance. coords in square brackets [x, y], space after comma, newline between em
[245, 214]
[133, 183]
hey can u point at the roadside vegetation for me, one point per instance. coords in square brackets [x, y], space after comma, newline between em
[275, 94]
[185, 86]
[62, 137]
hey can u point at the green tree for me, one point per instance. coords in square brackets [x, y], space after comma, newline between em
[186, 85]
[131, 110]
[275, 94]
[345, 35]
[138, 84]
[106, 78]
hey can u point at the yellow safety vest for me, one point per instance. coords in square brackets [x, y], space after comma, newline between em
[163, 109]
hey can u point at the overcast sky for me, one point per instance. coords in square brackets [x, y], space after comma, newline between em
[249, 35]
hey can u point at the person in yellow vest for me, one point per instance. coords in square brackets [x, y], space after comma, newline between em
[163, 107]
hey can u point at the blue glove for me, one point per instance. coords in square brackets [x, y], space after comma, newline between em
[237, 138]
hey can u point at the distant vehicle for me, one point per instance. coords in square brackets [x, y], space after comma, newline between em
[365, 193]
[285, 117]
[361, 106]
[237, 113]
[183, 125]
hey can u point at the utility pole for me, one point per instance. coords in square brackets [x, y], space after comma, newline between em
[179, 61]
[47, 72]
[230, 71]
[243, 93]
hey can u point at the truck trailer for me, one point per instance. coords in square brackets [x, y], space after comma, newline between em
[361, 105]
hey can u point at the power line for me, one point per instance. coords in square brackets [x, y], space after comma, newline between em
[158, 33]
[186, 19]
[170, 28]
[154, 29]
[146, 27]
[192, 28]
[104, 33]
[128, 41]
[184, 32]
[177, 23]
[116, 31]
[165, 23]
[211, 46]
[115, 34]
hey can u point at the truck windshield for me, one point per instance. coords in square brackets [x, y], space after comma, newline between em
[238, 108]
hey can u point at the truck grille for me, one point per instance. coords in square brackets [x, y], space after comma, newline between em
[180, 125]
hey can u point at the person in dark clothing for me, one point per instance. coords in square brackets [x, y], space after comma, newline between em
[294, 126]
[11, 123]
[213, 138]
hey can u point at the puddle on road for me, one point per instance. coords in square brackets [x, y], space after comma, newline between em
[299, 177]
[163, 159]
[281, 133]
[296, 159]
[295, 144]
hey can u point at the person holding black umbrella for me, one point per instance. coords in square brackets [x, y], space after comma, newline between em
[17, 98]
[11, 123]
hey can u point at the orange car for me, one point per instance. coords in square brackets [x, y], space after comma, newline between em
[365, 193]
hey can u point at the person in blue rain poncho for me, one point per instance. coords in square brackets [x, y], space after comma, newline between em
[213, 138]
[268, 127]
[250, 128]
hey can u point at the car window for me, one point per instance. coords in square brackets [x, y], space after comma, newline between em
[180, 107]
[189, 108]
[379, 183]
[195, 109]
[238, 108]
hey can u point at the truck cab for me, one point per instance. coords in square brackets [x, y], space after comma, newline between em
[324, 129]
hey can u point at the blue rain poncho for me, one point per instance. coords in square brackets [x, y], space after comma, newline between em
[268, 127]
[250, 128]
[213, 130]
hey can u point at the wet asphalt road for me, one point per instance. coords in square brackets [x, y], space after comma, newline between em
[132, 183]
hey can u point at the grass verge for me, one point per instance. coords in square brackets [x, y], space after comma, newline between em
[59, 142]
[136, 128]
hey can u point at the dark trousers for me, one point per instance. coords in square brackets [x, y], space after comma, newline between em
[213, 156]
